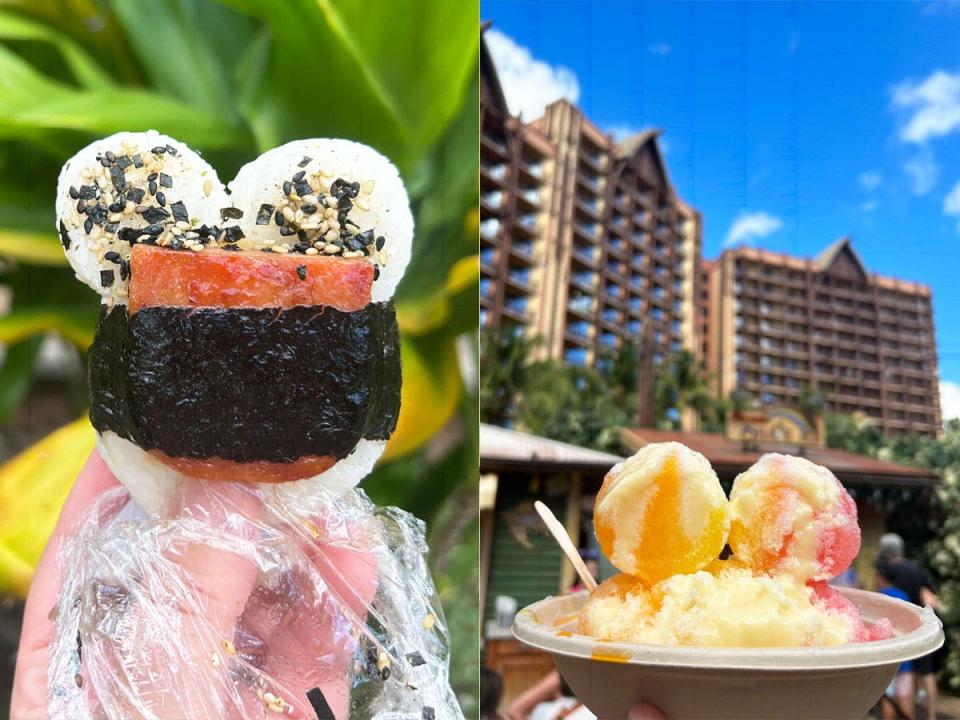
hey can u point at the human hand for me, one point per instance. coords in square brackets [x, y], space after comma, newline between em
[224, 582]
[643, 711]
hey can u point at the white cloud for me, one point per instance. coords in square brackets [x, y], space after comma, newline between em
[751, 225]
[869, 206]
[621, 131]
[949, 400]
[922, 170]
[529, 84]
[660, 49]
[931, 106]
[951, 203]
[869, 180]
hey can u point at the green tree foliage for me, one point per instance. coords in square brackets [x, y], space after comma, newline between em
[682, 383]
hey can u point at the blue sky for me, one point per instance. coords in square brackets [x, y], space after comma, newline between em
[786, 124]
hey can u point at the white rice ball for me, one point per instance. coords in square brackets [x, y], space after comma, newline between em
[383, 205]
[195, 183]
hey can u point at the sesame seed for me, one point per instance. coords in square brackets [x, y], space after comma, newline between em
[331, 249]
[306, 161]
[280, 249]
[162, 199]
[302, 272]
[278, 217]
[287, 187]
[299, 176]
[215, 659]
[197, 247]
[74, 193]
[152, 186]
[229, 647]
[207, 187]
[311, 251]
[158, 150]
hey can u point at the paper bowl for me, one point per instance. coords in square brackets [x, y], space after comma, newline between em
[697, 683]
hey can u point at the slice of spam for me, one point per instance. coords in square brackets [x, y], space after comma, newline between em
[214, 278]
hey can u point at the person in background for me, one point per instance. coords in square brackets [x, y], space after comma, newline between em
[913, 580]
[848, 579]
[897, 702]
[549, 699]
[590, 558]
[491, 691]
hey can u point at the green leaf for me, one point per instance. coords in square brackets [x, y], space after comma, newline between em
[16, 375]
[254, 91]
[173, 41]
[76, 326]
[31, 103]
[373, 75]
[34, 248]
[87, 72]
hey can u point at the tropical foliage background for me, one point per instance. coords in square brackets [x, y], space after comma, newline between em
[232, 79]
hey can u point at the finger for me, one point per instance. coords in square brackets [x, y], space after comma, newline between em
[30, 680]
[643, 711]
[313, 644]
[169, 650]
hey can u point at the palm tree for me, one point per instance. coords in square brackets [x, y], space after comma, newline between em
[504, 364]
[683, 383]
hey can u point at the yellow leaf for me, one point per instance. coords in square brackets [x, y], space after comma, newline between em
[33, 248]
[428, 397]
[33, 486]
[419, 316]
[463, 274]
[77, 327]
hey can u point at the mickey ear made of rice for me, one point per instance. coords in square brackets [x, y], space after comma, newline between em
[127, 188]
[330, 196]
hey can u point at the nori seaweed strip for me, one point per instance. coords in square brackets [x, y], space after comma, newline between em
[286, 383]
[319, 704]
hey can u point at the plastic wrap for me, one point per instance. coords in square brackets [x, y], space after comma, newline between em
[234, 604]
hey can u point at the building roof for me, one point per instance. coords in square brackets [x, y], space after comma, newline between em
[829, 255]
[729, 458]
[503, 449]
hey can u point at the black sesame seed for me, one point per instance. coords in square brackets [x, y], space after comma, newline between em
[380, 242]
[302, 272]
[429, 713]
[135, 195]
[166, 181]
[176, 244]
[263, 215]
[229, 213]
[87, 225]
[152, 187]
[230, 246]
[303, 188]
[124, 161]
[179, 211]
[153, 176]
[137, 161]
[112, 256]
[287, 187]
[366, 237]
[308, 209]
[64, 236]
[161, 199]
[111, 227]
[299, 176]
[87, 192]
[302, 234]
[286, 231]
[106, 278]
[278, 217]
[154, 229]
[128, 234]
[385, 673]
[376, 273]
[319, 704]
[171, 149]
[124, 269]
[233, 234]
[116, 207]
[158, 150]
[80, 206]
[117, 178]
[306, 161]
[155, 215]
[110, 156]
[73, 192]
[106, 163]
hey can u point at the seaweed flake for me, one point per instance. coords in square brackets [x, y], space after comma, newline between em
[264, 214]
[180, 211]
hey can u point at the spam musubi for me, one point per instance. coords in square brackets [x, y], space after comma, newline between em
[245, 334]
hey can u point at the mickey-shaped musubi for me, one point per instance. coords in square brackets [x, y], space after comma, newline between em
[245, 334]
